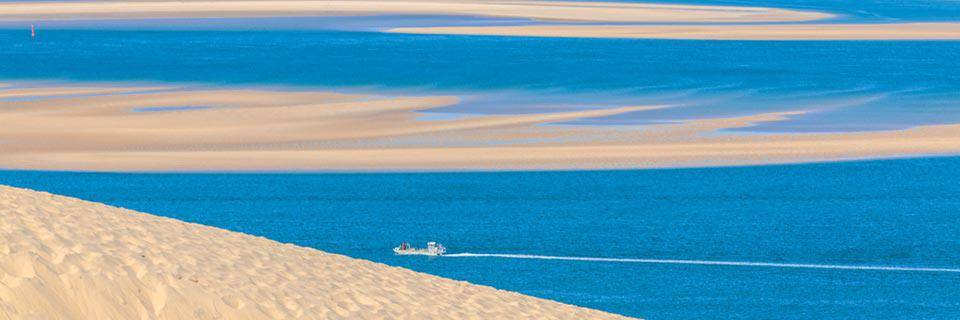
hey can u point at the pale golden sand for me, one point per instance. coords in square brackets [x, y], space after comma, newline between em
[899, 31]
[284, 130]
[65, 258]
[543, 10]
[598, 12]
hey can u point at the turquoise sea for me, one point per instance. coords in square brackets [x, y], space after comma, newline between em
[642, 243]
[847, 86]
[842, 85]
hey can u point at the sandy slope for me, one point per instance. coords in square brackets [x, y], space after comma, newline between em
[290, 130]
[899, 31]
[64, 258]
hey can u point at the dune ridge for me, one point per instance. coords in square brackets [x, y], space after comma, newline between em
[65, 258]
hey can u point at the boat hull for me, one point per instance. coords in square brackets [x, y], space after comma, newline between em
[419, 252]
[433, 249]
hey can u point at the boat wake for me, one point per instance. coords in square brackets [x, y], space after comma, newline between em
[705, 262]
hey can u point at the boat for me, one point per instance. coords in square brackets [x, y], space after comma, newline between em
[433, 249]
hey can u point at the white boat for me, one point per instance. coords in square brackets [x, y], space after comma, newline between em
[433, 249]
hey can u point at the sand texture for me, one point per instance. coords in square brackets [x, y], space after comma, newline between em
[898, 31]
[265, 130]
[65, 258]
[541, 10]
[606, 19]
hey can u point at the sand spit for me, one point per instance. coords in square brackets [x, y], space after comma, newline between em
[241, 130]
[263, 130]
[703, 18]
[541, 10]
[559, 11]
[898, 31]
[65, 258]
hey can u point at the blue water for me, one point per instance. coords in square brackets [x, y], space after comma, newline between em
[902, 213]
[845, 85]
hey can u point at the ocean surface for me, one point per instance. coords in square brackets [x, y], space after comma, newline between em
[842, 85]
[835, 217]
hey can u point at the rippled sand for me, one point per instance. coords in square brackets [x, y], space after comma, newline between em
[265, 130]
[64, 258]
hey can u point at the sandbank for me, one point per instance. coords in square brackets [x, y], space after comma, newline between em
[897, 31]
[607, 19]
[263, 130]
[65, 258]
[541, 10]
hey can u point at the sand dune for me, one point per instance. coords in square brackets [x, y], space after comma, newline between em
[899, 31]
[64, 258]
[289, 130]
[542, 10]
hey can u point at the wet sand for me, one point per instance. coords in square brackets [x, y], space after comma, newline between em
[65, 258]
[262, 130]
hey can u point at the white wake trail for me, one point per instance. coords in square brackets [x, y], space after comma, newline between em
[705, 262]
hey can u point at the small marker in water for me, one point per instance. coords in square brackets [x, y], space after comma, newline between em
[33, 32]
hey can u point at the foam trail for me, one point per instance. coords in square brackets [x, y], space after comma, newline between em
[706, 262]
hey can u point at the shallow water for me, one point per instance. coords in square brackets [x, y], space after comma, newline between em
[902, 213]
[844, 85]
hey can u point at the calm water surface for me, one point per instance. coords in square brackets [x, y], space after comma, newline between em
[882, 213]
[844, 85]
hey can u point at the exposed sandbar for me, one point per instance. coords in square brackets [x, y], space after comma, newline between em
[265, 130]
[897, 31]
[595, 12]
[541, 10]
[64, 258]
